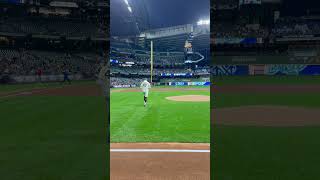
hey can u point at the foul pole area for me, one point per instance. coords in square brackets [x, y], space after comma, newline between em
[151, 60]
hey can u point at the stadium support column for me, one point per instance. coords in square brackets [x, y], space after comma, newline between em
[151, 60]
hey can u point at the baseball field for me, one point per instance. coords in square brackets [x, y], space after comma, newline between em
[53, 131]
[265, 127]
[167, 139]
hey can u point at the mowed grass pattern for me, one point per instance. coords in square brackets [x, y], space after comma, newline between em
[53, 138]
[265, 153]
[161, 121]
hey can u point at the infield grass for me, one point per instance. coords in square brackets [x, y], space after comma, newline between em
[161, 121]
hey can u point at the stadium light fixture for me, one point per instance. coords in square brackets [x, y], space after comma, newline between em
[203, 22]
[129, 8]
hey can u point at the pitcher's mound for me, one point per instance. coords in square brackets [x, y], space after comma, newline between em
[189, 98]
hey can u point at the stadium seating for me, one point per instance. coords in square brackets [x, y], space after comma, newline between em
[21, 62]
[120, 81]
[296, 26]
[52, 26]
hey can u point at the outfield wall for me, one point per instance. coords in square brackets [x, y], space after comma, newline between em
[124, 86]
[266, 59]
[189, 83]
[269, 69]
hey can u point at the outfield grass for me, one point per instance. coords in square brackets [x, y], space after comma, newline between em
[265, 153]
[53, 138]
[161, 121]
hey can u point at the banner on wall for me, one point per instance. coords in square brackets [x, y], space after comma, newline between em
[189, 83]
[114, 61]
[292, 69]
[228, 70]
[123, 86]
[198, 83]
[235, 40]
[270, 69]
[265, 59]
[178, 83]
[176, 74]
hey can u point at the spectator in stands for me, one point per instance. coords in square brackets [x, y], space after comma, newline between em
[66, 76]
[39, 74]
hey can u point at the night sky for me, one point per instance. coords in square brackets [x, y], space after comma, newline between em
[174, 12]
[160, 13]
[165, 13]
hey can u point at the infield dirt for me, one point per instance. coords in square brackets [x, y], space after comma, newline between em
[189, 98]
[160, 165]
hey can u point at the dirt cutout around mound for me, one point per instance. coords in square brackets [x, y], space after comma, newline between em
[189, 98]
[266, 116]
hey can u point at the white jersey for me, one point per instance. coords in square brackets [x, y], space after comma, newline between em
[145, 86]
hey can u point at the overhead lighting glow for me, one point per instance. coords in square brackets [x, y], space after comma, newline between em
[129, 8]
[127, 3]
[203, 22]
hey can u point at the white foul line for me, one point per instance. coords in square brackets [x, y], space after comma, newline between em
[160, 150]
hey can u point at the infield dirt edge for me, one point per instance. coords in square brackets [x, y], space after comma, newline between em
[189, 98]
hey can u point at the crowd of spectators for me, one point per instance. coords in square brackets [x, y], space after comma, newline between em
[227, 30]
[288, 26]
[21, 62]
[145, 70]
[295, 26]
[145, 59]
[156, 71]
[53, 26]
[121, 81]
[160, 60]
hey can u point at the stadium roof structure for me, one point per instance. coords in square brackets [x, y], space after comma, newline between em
[131, 17]
[167, 39]
[173, 38]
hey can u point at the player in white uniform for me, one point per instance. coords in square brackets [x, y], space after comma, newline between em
[145, 86]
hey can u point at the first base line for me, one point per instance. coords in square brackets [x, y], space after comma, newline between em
[160, 150]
